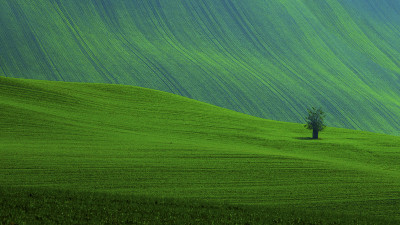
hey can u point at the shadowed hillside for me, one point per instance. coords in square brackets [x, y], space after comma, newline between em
[266, 58]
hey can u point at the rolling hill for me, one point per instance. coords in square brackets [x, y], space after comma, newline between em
[131, 141]
[270, 59]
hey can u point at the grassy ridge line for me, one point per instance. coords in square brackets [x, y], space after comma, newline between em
[269, 59]
[136, 141]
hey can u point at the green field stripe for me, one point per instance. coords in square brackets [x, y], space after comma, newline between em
[36, 46]
[250, 36]
[175, 43]
[233, 59]
[85, 49]
[162, 22]
[380, 32]
[241, 60]
[206, 61]
[355, 36]
[215, 78]
[132, 48]
[247, 28]
[108, 12]
[3, 66]
[177, 87]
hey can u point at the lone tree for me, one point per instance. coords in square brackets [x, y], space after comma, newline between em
[315, 121]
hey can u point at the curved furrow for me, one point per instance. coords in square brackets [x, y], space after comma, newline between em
[362, 90]
[165, 33]
[162, 23]
[83, 46]
[116, 29]
[350, 32]
[151, 64]
[240, 23]
[382, 28]
[264, 48]
[215, 29]
[224, 82]
[34, 43]
[212, 22]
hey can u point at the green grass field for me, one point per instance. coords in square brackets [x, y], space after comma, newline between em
[98, 153]
[267, 58]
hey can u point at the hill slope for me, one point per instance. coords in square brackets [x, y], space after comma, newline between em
[270, 59]
[135, 141]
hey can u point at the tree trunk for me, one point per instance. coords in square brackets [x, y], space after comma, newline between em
[315, 134]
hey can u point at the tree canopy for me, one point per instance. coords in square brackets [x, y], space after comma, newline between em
[315, 121]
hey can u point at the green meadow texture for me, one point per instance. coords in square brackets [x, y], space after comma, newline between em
[73, 153]
[267, 58]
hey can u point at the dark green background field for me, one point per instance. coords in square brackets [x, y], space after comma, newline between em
[111, 148]
[270, 59]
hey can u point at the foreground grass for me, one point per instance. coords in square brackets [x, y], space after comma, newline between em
[38, 206]
[126, 142]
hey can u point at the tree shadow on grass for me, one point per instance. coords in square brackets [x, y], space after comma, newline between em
[305, 138]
